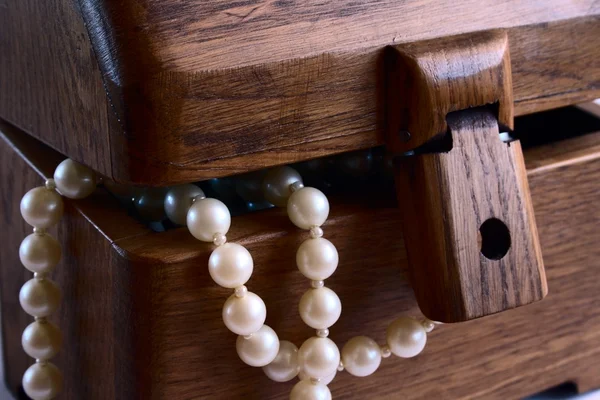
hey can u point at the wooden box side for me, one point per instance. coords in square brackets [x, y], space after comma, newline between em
[161, 94]
[50, 82]
[142, 318]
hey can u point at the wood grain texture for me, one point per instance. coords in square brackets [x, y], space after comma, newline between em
[428, 80]
[220, 34]
[93, 316]
[50, 83]
[447, 197]
[188, 99]
[467, 221]
[564, 152]
[145, 301]
[220, 122]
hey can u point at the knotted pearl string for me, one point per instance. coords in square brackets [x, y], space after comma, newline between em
[42, 208]
[230, 265]
[244, 313]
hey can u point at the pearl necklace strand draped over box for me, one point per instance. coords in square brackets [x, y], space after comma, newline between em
[230, 265]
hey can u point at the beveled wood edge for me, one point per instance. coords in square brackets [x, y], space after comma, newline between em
[206, 166]
[126, 247]
[248, 228]
[428, 80]
[593, 107]
[559, 154]
[131, 43]
[44, 160]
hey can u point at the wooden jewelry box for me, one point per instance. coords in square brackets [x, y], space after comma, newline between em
[158, 94]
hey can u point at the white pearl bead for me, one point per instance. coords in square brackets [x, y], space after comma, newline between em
[276, 185]
[219, 239]
[207, 217]
[41, 340]
[320, 308]
[322, 332]
[244, 315]
[39, 298]
[74, 180]
[308, 207]
[361, 356]
[178, 201]
[316, 232]
[41, 207]
[50, 184]
[42, 381]
[325, 381]
[260, 348]
[428, 325]
[317, 284]
[307, 390]
[318, 357]
[240, 291]
[40, 253]
[385, 351]
[230, 265]
[317, 259]
[285, 365]
[406, 337]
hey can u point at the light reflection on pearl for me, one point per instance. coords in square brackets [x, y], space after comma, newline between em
[244, 315]
[41, 207]
[406, 337]
[307, 390]
[318, 357]
[285, 365]
[260, 349]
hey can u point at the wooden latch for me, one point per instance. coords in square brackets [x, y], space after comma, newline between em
[468, 221]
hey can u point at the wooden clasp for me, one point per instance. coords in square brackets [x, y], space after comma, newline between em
[468, 221]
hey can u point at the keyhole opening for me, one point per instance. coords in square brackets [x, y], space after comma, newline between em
[495, 239]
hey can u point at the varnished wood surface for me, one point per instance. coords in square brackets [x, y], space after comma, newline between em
[445, 199]
[50, 84]
[563, 153]
[428, 80]
[143, 318]
[156, 94]
[448, 99]
[220, 122]
[93, 315]
[220, 34]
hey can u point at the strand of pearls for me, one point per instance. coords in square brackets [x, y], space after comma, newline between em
[244, 313]
[230, 266]
[42, 208]
[320, 307]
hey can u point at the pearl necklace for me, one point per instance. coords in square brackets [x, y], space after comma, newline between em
[230, 265]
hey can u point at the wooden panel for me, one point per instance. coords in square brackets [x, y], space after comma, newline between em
[564, 152]
[50, 84]
[450, 199]
[221, 34]
[143, 318]
[198, 124]
[213, 88]
[427, 81]
[94, 314]
[555, 70]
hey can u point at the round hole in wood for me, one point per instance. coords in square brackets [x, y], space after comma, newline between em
[495, 239]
